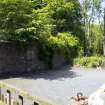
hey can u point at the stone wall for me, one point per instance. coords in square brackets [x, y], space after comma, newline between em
[11, 58]
[58, 61]
[15, 59]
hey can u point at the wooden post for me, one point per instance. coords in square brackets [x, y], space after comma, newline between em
[2, 97]
[0, 93]
[21, 100]
[12, 102]
[8, 97]
[36, 103]
[15, 103]
[104, 35]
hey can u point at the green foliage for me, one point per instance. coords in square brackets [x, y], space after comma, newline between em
[62, 41]
[56, 21]
[55, 24]
[93, 28]
[15, 18]
[42, 22]
[92, 61]
[65, 43]
[19, 20]
[66, 16]
[96, 40]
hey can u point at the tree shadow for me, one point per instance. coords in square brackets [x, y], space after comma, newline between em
[65, 72]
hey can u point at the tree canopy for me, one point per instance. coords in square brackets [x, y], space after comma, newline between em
[53, 23]
[15, 15]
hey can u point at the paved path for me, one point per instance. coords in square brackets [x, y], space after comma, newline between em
[59, 85]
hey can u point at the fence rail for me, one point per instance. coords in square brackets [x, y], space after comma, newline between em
[10, 95]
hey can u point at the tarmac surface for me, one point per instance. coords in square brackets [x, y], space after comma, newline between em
[59, 85]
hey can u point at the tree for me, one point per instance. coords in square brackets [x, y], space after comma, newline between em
[91, 13]
[15, 18]
[29, 20]
[66, 16]
[58, 16]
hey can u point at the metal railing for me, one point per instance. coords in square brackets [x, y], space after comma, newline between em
[10, 95]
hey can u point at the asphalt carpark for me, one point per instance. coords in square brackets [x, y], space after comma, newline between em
[59, 85]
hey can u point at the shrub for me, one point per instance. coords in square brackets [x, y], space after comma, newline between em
[62, 42]
[92, 61]
[66, 43]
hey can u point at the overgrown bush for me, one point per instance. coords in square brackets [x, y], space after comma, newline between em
[66, 43]
[62, 42]
[53, 24]
[92, 61]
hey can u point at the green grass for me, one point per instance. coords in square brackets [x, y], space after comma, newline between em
[89, 62]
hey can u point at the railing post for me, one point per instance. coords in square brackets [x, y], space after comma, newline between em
[8, 97]
[15, 102]
[0, 93]
[36, 103]
[21, 100]
[2, 97]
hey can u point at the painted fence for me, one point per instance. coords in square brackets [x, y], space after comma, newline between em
[10, 95]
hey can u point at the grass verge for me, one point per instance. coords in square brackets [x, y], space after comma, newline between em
[89, 62]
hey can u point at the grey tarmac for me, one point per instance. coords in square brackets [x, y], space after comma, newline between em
[59, 85]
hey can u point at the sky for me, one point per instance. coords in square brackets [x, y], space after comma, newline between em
[103, 6]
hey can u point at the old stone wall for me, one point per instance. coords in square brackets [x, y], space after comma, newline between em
[11, 58]
[15, 59]
[58, 61]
